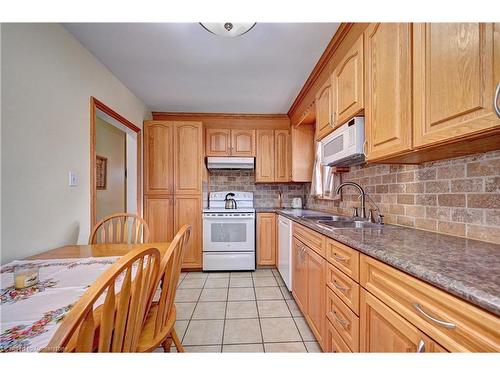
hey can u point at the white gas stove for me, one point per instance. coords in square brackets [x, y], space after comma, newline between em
[229, 234]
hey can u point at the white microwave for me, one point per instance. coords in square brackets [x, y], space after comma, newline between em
[344, 146]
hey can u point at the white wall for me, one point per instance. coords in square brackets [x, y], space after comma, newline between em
[47, 80]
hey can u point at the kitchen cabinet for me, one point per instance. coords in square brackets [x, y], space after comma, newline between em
[218, 142]
[159, 214]
[158, 157]
[454, 78]
[188, 160]
[242, 143]
[384, 331]
[266, 239]
[316, 295]
[230, 142]
[347, 86]
[302, 153]
[334, 343]
[324, 110]
[173, 163]
[282, 159]
[299, 274]
[388, 96]
[188, 211]
[264, 163]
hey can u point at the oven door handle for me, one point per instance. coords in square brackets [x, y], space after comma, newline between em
[228, 217]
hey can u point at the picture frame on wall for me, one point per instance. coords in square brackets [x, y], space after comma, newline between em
[101, 172]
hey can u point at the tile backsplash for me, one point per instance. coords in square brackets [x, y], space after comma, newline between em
[456, 196]
[265, 195]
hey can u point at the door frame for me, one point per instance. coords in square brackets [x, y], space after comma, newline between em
[94, 105]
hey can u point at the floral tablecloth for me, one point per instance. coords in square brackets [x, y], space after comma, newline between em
[29, 317]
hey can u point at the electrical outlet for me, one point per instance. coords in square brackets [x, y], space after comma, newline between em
[73, 179]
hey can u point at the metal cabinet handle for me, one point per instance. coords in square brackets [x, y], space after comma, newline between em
[495, 100]
[421, 346]
[339, 258]
[342, 322]
[339, 287]
[448, 325]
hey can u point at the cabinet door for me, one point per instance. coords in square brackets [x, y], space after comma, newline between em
[243, 142]
[282, 158]
[218, 142]
[264, 164]
[324, 110]
[188, 211]
[316, 294]
[188, 157]
[454, 80]
[266, 239]
[158, 157]
[382, 330]
[299, 274]
[347, 85]
[302, 153]
[159, 214]
[388, 116]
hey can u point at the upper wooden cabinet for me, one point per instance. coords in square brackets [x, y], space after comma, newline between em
[218, 142]
[388, 115]
[347, 85]
[242, 142]
[302, 154]
[158, 157]
[226, 142]
[282, 160]
[188, 157]
[266, 239]
[324, 110]
[454, 80]
[264, 163]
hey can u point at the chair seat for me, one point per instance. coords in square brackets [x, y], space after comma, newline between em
[147, 341]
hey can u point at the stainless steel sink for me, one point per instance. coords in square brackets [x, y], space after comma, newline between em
[348, 224]
[328, 218]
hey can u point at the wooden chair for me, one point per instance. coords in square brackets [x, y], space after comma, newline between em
[159, 326]
[120, 228]
[116, 324]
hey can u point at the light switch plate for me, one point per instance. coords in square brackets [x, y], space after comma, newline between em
[73, 179]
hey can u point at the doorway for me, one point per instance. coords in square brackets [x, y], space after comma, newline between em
[115, 154]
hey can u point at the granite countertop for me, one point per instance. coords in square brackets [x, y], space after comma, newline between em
[468, 269]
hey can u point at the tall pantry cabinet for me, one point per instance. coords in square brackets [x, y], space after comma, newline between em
[173, 160]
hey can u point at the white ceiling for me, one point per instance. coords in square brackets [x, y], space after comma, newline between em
[181, 67]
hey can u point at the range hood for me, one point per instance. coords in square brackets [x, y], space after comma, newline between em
[228, 162]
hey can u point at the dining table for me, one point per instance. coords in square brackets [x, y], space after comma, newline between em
[29, 317]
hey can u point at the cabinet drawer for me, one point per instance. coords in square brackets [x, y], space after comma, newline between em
[343, 319]
[335, 343]
[313, 240]
[453, 323]
[344, 287]
[343, 257]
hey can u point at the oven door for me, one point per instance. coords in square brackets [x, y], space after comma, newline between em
[228, 233]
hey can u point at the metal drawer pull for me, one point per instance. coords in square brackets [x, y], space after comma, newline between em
[448, 325]
[342, 322]
[421, 346]
[495, 100]
[339, 258]
[344, 289]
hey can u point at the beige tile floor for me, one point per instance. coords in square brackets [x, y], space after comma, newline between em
[240, 312]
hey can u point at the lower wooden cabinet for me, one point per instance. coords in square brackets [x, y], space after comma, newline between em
[334, 342]
[165, 215]
[266, 239]
[299, 274]
[385, 331]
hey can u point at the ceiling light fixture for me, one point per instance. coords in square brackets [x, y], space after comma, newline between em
[228, 29]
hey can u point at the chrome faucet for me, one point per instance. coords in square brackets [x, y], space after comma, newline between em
[280, 198]
[362, 196]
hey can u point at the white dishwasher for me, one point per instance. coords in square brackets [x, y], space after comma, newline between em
[285, 250]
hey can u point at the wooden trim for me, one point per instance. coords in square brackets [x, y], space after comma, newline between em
[322, 63]
[197, 115]
[97, 104]
[103, 107]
